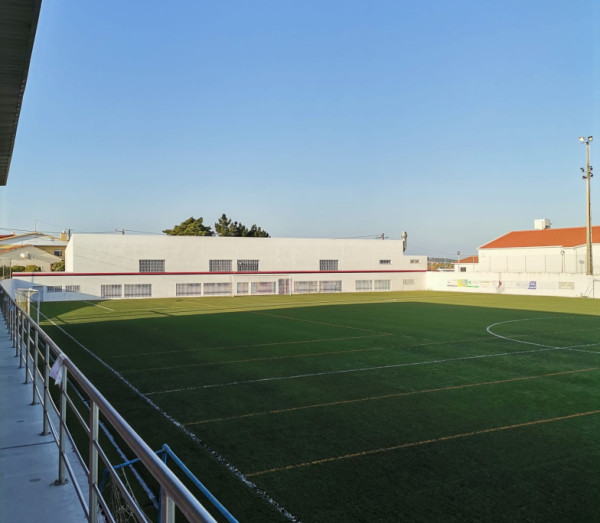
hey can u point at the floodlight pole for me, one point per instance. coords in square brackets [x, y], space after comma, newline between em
[587, 177]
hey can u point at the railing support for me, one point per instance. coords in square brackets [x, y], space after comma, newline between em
[93, 463]
[45, 428]
[62, 441]
[34, 400]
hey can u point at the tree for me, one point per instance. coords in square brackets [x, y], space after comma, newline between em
[226, 227]
[190, 227]
[58, 266]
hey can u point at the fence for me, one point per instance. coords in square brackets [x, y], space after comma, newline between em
[44, 361]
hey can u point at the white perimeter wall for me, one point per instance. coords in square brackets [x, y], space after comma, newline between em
[59, 286]
[530, 284]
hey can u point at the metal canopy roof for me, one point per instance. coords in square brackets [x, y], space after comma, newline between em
[18, 24]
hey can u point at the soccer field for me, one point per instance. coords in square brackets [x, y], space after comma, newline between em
[359, 407]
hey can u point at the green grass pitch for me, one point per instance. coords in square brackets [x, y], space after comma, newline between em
[360, 407]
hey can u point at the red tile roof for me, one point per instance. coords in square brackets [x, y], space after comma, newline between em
[470, 259]
[569, 237]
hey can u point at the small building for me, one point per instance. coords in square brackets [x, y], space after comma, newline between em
[544, 250]
[24, 255]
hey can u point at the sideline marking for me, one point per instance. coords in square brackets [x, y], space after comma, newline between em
[395, 395]
[348, 371]
[423, 442]
[234, 470]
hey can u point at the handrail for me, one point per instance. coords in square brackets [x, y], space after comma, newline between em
[27, 336]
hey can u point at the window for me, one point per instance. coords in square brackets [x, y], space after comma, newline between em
[152, 265]
[263, 287]
[72, 288]
[247, 265]
[219, 265]
[463, 269]
[328, 265]
[414, 260]
[330, 286]
[188, 289]
[138, 290]
[111, 291]
[305, 287]
[242, 287]
[364, 285]
[383, 285]
[409, 282]
[217, 289]
[385, 262]
[58, 252]
[54, 288]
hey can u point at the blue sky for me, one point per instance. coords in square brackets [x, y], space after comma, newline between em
[454, 121]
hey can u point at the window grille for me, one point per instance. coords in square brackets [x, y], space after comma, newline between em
[111, 291]
[306, 287]
[409, 282]
[138, 290]
[385, 262]
[188, 289]
[247, 265]
[263, 287]
[330, 286]
[415, 260]
[72, 288]
[219, 265]
[328, 265]
[242, 287]
[57, 252]
[54, 288]
[364, 285]
[383, 285]
[152, 265]
[217, 289]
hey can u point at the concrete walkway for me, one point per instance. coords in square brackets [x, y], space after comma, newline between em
[28, 461]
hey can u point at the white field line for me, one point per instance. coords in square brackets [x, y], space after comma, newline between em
[248, 346]
[348, 371]
[574, 348]
[261, 493]
[542, 348]
[100, 306]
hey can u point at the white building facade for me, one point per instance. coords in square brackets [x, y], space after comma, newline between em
[131, 266]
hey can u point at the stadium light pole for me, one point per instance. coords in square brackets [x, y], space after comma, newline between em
[587, 177]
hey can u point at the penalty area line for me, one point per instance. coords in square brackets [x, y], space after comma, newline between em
[422, 442]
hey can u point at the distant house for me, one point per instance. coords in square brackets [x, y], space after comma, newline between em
[468, 264]
[45, 242]
[25, 255]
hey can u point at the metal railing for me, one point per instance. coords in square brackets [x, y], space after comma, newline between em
[42, 359]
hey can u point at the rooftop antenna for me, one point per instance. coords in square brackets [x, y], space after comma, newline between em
[404, 238]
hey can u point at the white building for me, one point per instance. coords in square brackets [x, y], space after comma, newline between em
[129, 266]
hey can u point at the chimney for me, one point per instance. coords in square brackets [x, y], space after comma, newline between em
[542, 224]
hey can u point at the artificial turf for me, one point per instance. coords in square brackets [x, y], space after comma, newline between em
[361, 407]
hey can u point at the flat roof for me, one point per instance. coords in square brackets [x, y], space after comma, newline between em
[18, 25]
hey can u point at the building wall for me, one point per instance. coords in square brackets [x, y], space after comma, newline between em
[121, 253]
[569, 260]
[74, 286]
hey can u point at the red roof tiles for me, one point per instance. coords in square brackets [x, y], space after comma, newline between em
[569, 237]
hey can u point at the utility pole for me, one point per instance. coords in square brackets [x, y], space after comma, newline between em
[587, 177]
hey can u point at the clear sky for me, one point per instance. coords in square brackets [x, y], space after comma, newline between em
[456, 121]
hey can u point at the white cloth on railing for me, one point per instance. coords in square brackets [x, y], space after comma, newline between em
[57, 370]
